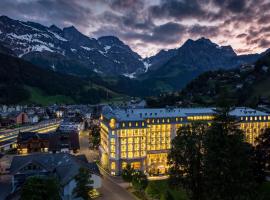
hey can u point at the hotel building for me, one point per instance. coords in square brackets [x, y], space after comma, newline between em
[142, 137]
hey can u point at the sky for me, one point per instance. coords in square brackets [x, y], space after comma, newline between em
[148, 26]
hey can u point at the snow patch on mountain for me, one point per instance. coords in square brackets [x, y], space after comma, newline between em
[26, 37]
[146, 65]
[87, 48]
[107, 48]
[131, 75]
[58, 36]
[103, 53]
[97, 71]
[41, 47]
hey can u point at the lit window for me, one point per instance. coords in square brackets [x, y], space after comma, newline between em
[130, 140]
[123, 124]
[129, 124]
[112, 140]
[113, 165]
[123, 147]
[124, 165]
[130, 154]
[113, 132]
[112, 123]
[123, 154]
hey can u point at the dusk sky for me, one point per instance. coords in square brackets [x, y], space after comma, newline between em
[151, 25]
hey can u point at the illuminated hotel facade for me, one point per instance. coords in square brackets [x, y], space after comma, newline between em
[142, 137]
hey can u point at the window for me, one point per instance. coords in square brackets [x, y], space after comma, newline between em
[123, 147]
[130, 154]
[123, 154]
[130, 140]
[112, 140]
[112, 123]
[112, 155]
[113, 166]
[124, 165]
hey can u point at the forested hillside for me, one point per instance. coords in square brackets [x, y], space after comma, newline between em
[21, 81]
[248, 85]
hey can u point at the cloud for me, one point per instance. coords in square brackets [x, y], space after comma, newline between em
[177, 9]
[152, 25]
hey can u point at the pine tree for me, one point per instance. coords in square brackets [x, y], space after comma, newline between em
[227, 164]
[186, 160]
[139, 181]
[83, 184]
[37, 188]
[127, 173]
[262, 156]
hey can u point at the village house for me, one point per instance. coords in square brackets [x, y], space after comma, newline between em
[63, 166]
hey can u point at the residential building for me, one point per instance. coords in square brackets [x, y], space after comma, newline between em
[142, 137]
[63, 166]
[54, 142]
[29, 142]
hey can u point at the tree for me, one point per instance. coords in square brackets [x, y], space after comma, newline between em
[95, 135]
[262, 156]
[127, 173]
[227, 163]
[139, 181]
[83, 184]
[186, 160]
[37, 188]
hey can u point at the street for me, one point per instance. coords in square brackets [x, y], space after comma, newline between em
[111, 189]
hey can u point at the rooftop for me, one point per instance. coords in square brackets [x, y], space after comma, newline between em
[138, 114]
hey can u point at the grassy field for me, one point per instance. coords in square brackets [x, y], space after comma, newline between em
[38, 97]
[157, 189]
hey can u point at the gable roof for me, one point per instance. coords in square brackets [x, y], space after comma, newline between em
[65, 165]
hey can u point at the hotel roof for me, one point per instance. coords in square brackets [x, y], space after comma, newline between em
[139, 114]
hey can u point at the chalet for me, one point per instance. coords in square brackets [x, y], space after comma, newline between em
[63, 166]
[29, 142]
[55, 142]
[61, 141]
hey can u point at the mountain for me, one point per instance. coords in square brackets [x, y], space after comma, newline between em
[247, 85]
[190, 60]
[67, 50]
[23, 82]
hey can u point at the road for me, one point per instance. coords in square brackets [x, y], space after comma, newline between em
[112, 188]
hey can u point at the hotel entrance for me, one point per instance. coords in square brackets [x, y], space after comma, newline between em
[157, 164]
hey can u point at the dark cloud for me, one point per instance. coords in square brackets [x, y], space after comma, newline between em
[168, 33]
[207, 31]
[265, 19]
[60, 12]
[177, 9]
[242, 35]
[264, 43]
[235, 6]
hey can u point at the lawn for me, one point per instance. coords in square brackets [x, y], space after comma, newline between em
[38, 97]
[157, 189]
[264, 191]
